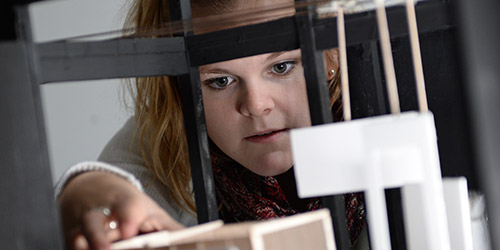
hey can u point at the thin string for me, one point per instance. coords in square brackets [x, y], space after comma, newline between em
[416, 54]
[385, 43]
[344, 79]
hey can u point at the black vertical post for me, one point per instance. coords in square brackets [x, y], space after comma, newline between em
[199, 153]
[28, 210]
[367, 90]
[196, 130]
[380, 88]
[319, 106]
[393, 196]
[478, 25]
[28, 214]
[395, 218]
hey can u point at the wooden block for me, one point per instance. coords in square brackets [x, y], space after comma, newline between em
[312, 230]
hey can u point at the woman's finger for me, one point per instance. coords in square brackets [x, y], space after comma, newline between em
[149, 225]
[80, 243]
[129, 213]
[142, 215]
[159, 221]
[95, 224]
[164, 221]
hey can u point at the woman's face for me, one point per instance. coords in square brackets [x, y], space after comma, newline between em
[251, 104]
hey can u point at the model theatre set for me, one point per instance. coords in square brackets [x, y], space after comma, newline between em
[399, 61]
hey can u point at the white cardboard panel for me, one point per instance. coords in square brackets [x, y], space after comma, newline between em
[334, 158]
[457, 209]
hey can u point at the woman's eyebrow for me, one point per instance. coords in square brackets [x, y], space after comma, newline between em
[275, 55]
[214, 71]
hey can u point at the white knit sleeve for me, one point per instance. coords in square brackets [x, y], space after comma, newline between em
[88, 166]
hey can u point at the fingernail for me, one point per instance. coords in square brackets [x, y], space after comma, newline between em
[81, 243]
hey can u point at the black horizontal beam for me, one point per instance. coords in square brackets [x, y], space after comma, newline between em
[118, 58]
[64, 61]
[277, 35]
[281, 34]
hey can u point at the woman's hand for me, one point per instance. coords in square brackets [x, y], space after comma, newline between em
[87, 198]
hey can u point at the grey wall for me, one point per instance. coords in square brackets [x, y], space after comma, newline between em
[80, 117]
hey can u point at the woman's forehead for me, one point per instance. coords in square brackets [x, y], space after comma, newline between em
[261, 59]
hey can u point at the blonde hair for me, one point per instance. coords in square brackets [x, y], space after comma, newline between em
[160, 124]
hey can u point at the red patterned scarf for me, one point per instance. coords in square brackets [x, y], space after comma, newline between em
[243, 196]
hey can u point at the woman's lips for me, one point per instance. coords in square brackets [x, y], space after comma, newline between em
[267, 137]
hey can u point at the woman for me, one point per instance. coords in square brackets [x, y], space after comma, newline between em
[250, 106]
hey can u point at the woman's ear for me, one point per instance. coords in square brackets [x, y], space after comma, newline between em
[331, 62]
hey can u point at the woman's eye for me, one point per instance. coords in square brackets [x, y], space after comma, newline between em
[282, 68]
[220, 82]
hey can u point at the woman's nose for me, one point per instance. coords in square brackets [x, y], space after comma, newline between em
[256, 100]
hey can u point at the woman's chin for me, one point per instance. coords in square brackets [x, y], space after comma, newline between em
[270, 170]
[269, 164]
